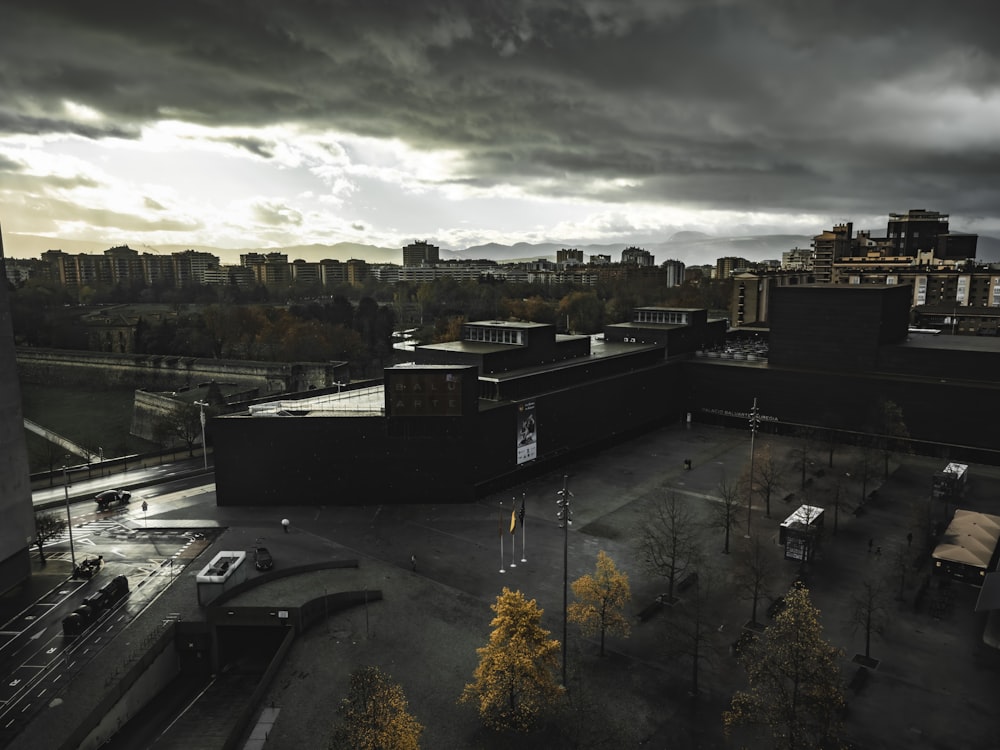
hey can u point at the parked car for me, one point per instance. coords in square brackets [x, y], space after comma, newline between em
[108, 498]
[262, 558]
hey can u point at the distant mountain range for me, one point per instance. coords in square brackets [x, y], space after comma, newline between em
[692, 248]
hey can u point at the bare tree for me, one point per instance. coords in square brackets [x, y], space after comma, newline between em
[803, 452]
[866, 469]
[667, 541]
[726, 512]
[767, 475]
[870, 613]
[838, 484]
[689, 633]
[756, 570]
[47, 526]
[892, 433]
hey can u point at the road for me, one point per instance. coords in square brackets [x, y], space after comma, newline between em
[35, 656]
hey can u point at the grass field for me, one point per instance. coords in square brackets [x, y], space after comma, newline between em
[94, 419]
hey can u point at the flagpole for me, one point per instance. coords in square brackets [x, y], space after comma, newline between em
[513, 528]
[523, 551]
[500, 529]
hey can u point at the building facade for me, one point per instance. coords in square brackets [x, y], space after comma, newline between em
[17, 532]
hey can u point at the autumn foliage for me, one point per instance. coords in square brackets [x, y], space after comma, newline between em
[601, 599]
[375, 715]
[516, 680]
[796, 690]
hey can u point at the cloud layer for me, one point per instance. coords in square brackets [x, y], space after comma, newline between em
[259, 123]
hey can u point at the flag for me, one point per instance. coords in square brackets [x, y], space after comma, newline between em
[513, 521]
[520, 516]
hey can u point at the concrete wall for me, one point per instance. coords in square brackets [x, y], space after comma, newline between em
[153, 372]
[358, 460]
[17, 531]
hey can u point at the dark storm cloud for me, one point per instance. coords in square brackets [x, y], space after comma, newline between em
[781, 106]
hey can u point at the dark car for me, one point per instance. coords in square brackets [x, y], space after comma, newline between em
[262, 558]
[108, 498]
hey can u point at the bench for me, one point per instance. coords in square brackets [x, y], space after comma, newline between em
[652, 609]
[687, 581]
[859, 680]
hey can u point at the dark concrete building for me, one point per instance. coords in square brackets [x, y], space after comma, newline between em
[511, 400]
[17, 532]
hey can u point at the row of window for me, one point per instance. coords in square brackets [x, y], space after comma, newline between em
[661, 316]
[494, 335]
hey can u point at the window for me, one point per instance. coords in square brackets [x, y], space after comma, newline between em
[494, 335]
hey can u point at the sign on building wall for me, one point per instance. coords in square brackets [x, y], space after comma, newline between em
[527, 434]
[962, 292]
[424, 393]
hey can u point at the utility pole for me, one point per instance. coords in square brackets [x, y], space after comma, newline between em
[204, 446]
[565, 516]
[69, 518]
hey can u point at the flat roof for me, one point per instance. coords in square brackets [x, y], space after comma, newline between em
[804, 514]
[507, 324]
[947, 342]
[357, 402]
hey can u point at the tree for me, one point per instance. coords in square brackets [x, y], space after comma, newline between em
[727, 510]
[47, 526]
[756, 570]
[667, 544]
[517, 677]
[870, 613]
[375, 715]
[582, 312]
[795, 687]
[601, 600]
[802, 453]
[865, 469]
[893, 435]
[767, 475]
[689, 633]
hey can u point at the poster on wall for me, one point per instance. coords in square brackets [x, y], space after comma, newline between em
[527, 436]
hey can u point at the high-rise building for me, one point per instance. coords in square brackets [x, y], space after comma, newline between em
[636, 256]
[675, 272]
[17, 532]
[421, 253]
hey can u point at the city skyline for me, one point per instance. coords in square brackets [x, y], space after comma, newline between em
[582, 123]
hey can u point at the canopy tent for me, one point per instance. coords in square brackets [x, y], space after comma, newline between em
[968, 543]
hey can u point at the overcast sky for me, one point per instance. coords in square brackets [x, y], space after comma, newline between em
[260, 124]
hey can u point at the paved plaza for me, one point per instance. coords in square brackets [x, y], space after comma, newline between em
[438, 568]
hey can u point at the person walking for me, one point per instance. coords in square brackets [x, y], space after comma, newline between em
[413, 563]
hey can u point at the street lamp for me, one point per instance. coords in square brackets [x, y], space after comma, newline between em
[754, 424]
[69, 518]
[204, 446]
[565, 516]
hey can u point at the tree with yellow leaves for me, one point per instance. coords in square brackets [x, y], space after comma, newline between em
[601, 600]
[516, 680]
[375, 715]
[796, 689]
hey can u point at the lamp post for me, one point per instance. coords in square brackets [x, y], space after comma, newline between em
[69, 518]
[204, 446]
[565, 516]
[754, 424]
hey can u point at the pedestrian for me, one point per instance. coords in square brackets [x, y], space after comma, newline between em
[870, 543]
[413, 563]
[909, 539]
